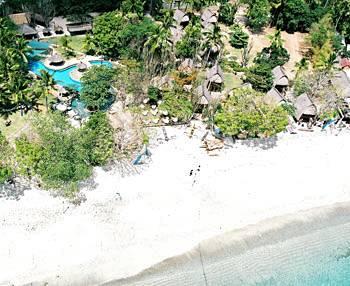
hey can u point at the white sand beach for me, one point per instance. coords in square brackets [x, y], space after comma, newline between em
[163, 212]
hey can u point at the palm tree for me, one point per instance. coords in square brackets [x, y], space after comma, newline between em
[23, 49]
[212, 42]
[46, 83]
[159, 49]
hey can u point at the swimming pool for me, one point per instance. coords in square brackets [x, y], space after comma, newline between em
[62, 77]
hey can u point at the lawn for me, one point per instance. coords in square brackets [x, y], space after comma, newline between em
[231, 81]
[18, 125]
[76, 42]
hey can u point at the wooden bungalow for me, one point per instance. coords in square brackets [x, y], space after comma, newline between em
[273, 96]
[280, 78]
[26, 31]
[305, 108]
[79, 28]
[215, 78]
[181, 18]
[210, 17]
[20, 18]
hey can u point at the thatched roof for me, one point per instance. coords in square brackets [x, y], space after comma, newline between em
[341, 81]
[273, 96]
[280, 77]
[186, 65]
[20, 18]
[176, 34]
[56, 59]
[181, 17]
[76, 28]
[215, 74]
[81, 66]
[304, 106]
[210, 15]
[205, 96]
[26, 30]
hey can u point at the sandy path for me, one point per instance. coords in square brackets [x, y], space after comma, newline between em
[161, 214]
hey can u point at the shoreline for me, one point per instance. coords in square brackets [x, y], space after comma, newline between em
[163, 213]
[265, 233]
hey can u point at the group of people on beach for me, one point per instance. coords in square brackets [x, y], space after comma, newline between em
[194, 173]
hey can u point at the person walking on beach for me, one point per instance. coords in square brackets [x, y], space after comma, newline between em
[196, 174]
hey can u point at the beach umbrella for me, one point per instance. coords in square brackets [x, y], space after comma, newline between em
[82, 67]
[56, 59]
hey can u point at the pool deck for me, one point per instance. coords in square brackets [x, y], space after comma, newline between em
[85, 59]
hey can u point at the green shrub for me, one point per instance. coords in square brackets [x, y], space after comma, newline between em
[96, 87]
[258, 14]
[227, 13]
[154, 94]
[275, 54]
[246, 113]
[177, 104]
[97, 135]
[238, 39]
[260, 76]
[6, 156]
[6, 174]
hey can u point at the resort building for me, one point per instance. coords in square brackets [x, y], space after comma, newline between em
[305, 108]
[22, 21]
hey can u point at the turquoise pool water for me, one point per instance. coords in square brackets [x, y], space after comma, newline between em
[62, 77]
[38, 48]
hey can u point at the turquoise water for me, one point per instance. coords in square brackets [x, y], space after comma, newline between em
[38, 48]
[62, 77]
[79, 107]
[317, 258]
[36, 45]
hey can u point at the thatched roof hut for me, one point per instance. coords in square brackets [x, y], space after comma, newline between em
[186, 65]
[181, 17]
[176, 34]
[79, 28]
[206, 96]
[304, 107]
[215, 74]
[280, 77]
[56, 59]
[20, 18]
[209, 17]
[81, 67]
[273, 96]
[27, 31]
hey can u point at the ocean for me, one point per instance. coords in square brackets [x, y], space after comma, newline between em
[310, 249]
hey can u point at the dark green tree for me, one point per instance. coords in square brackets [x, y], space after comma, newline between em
[227, 13]
[96, 87]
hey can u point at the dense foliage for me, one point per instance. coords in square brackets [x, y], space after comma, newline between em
[245, 113]
[260, 77]
[190, 43]
[227, 13]
[6, 166]
[96, 87]
[178, 104]
[258, 14]
[275, 54]
[117, 35]
[61, 154]
[16, 90]
[325, 43]
[238, 38]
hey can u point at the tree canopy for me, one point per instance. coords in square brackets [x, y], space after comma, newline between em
[245, 113]
[96, 87]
